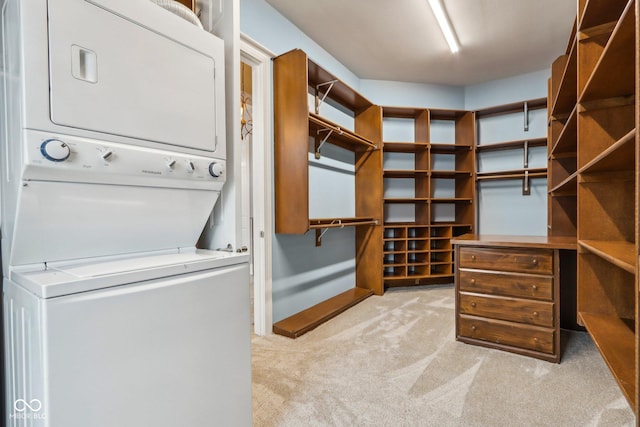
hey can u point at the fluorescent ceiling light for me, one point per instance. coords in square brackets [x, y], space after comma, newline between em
[445, 24]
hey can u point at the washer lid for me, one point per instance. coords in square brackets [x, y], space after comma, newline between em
[59, 279]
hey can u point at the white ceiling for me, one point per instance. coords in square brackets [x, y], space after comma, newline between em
[400, 39]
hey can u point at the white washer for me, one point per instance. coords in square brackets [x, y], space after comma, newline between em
[113, 149]
[167, 351]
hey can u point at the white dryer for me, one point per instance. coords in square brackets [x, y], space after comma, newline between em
[113, 149]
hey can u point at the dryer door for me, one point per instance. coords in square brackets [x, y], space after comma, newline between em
[132, 69]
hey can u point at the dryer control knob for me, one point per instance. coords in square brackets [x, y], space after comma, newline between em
[55, 150]
[191, 166]
[171, 164]
[216, 169]
[106, 155]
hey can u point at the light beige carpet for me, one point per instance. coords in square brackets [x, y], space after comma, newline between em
[393, 361]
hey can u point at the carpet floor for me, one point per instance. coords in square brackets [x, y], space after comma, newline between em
[393, 361]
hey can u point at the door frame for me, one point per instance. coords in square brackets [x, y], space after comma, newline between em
[259, 59]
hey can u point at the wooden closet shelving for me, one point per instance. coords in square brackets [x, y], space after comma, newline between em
[525, 173]
[515, 107]
[562, 168]
[301, 131]
[593, 189]
[419, 251]
[510, 145]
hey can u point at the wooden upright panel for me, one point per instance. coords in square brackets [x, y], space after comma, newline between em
[291, 137]
[422, 162]
[368, 123]
[466, 160]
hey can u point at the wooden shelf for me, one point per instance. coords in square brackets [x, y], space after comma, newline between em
[341, 137]
[512, 174]
[404, 147]
[317, 223]
[568, 187]
[516, 107]
[427, 200]
[451, 200]
[341, 93]
[619, 157]
[568, 139]
[448, 148]
[598, 12]
[450, 224]
[405, 173]
[437, 114]
[567, 155]
[450, 174]
[404, 224]
[618, 59]
[419, 276]
[407, 200]
[402, 112]
[309, 319]
[615, 339]
[511, 145]
[619, 253]
[567, 92]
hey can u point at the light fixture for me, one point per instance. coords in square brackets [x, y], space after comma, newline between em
[445, 24]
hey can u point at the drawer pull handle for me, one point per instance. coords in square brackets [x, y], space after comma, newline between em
[535, 261]
[473, 327]
[473, 257]
[534, 287]
[473, 304]
[473, 281]
[535, 314]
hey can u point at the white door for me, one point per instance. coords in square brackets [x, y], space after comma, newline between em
[132, 69]
[163, 353]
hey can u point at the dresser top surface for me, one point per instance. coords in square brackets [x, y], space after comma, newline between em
[515, 241]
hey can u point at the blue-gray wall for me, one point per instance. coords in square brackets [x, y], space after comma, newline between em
[502, 209]
[304, 274]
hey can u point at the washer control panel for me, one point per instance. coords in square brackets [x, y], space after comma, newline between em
[75, 159]
[55, 150]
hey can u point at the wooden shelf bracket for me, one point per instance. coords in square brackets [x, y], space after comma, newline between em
[319, 101]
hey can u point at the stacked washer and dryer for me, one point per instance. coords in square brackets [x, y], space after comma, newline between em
[113, 156]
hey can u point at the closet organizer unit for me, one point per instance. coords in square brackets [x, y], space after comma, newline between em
[429, 194]
[563, 143]
[594, 164]
[301, 89]
[524, 173]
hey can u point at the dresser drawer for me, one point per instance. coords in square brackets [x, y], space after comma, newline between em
[507, 333]
[524, 260]
[509, 284]
[504, 308]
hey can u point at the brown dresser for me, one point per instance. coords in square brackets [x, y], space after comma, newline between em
[508, 292]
